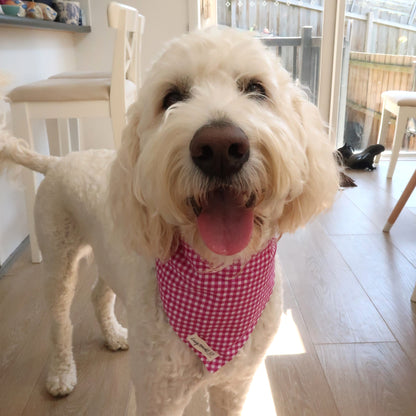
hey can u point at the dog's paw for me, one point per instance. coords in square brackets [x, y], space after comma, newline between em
[117, 340]
[60, 382]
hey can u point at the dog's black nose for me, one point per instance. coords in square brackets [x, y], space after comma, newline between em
[219, 149]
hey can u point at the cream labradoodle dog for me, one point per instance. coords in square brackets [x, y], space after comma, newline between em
[222, 154]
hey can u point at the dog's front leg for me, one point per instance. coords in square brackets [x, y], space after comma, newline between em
[164, 374]
[164, 370]
[230, 385]
[228, 399]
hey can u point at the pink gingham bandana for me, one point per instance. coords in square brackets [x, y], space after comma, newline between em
[214, 312]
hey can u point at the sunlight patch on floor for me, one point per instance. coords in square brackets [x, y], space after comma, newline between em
[286, 342]
[259, 400]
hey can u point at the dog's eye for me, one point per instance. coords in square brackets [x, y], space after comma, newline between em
[254, 89]
[173, 97]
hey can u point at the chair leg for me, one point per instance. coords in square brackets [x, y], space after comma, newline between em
[53, 137]
[397, 142]
[75, 134]
[21, 127]
[401, 203]
[64, 135]
[413, 298]
[118, 121]
[382, 134]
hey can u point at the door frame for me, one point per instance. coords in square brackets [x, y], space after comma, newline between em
[331, 64]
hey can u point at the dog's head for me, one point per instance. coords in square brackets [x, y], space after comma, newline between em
[221, 150]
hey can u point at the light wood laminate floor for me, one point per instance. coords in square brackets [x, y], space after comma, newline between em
[347, 342]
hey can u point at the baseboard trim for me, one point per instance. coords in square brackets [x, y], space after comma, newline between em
[11, 259]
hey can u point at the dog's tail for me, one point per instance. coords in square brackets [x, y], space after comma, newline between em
[16, 151]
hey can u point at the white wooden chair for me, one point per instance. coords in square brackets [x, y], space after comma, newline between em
[81, 95]
[402, 104]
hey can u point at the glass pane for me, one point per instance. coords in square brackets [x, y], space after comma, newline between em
[379, 55]
[293, 29]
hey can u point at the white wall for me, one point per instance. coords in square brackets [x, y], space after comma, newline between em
[165, 19]
[28, 55]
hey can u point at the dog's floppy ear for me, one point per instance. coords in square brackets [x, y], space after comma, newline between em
[143, 231]
[322, 179]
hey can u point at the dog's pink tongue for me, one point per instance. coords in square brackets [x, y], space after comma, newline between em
[225, 224]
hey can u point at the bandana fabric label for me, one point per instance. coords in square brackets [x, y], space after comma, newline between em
[200, 345]
[214, 312]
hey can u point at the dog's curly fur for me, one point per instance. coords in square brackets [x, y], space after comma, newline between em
[134, 206]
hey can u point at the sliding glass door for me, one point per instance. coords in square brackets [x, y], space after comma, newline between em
[305, 34]
[344, 52]
[379, 55]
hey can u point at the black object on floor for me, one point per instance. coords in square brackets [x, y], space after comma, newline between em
[345, 181]
[362, 160]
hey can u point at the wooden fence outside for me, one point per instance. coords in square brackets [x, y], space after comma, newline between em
[383, 59]
[371, 32]
[301, 55]
[369, 75]
[279, 18]
[381, 36]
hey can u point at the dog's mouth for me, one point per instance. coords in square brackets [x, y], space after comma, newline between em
[225, 220]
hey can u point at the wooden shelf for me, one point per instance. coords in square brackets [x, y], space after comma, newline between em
[25, 22]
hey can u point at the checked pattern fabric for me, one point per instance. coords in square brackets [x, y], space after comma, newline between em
[214, 312]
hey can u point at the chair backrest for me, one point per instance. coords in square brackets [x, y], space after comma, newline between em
[129, 25]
